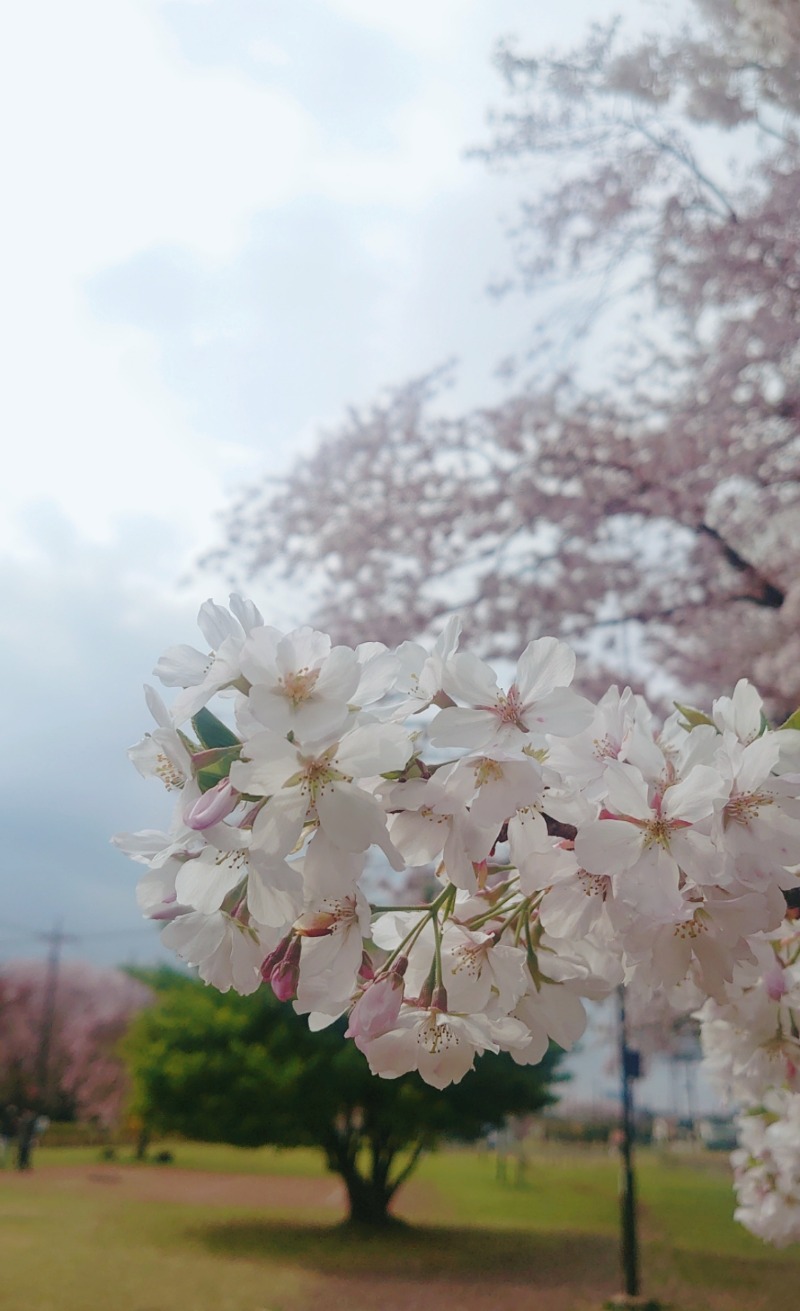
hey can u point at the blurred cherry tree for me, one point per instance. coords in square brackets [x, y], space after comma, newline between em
[59, 1036]
[637, 492]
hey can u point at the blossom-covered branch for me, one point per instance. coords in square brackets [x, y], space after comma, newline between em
[573, 846]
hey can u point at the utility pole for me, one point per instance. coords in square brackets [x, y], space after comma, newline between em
[629, 1251]
[629, 1239]
[56, 939]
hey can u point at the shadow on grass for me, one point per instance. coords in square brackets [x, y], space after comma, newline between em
[410, 1252]
[745, 1273]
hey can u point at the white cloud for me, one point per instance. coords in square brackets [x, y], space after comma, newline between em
[117, 145]
[121, 144]
[418, 24]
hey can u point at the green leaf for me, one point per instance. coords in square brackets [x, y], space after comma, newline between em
[793, 721]
[209, 775]
[212, 732]
[692, 718]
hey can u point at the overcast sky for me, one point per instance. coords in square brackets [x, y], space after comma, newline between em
[224, 221]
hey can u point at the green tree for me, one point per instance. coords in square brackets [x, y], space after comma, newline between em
[248, 1071]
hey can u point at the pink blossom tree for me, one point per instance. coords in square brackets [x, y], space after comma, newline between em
[62, 1057]
[654, 515]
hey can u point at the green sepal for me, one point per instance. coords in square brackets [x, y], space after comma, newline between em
[212, 732]
[793, 721]
[216, 770]
[411, 769]
[191, 746]
[693, 718]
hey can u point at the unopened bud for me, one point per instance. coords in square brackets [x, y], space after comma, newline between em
[275, 957]
[366, 969]
[286, 975]
[213, 806]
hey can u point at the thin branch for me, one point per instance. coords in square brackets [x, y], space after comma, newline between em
[687, 159]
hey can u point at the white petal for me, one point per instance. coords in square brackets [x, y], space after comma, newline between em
[351, 818]
[419, 837]
[455, 727]
[258, 656]
[373, 749]
[181, 666]
[606, 846]
[270, 762]
[466, 678]
[216, 623]
[561, 712]
[205, 882]
[627, 791]
[273, 893]
[305, 648]
[279, 824]
[247, 612]
[694, 797]
[339, 676]
[194, 936]
[545, 664]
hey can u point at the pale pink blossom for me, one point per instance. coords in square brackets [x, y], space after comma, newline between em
[377, 1009]
[539, 700]
[440, 1046]
[645, 841]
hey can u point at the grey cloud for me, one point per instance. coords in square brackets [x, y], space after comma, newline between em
[75, 658]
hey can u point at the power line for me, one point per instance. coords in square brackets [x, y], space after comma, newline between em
[25, 932]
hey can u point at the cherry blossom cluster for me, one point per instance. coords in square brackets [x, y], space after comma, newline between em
[767, 1168]
[567, 846]
[751, 1046]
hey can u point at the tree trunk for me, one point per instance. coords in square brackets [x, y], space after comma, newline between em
[367, 1201]
[362, 1153]
[142, 1144]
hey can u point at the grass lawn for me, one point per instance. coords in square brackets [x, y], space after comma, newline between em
[76, 1236]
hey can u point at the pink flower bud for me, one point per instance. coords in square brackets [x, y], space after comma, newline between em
[275, 957]
[366, 969]
[285, 976]
[212, 806]
[284, 979]
[377, 1008]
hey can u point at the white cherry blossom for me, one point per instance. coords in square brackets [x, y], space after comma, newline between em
[645, 841]
[202, 675]
[441, 1046]
[430, 823]
[300, 684]
[226, 950]
[539, 701]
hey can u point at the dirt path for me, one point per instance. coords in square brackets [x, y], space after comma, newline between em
[197, 1187]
